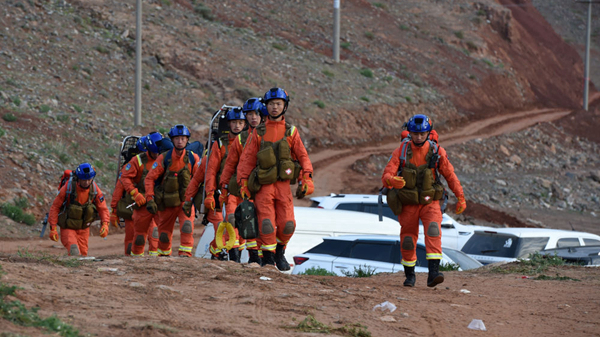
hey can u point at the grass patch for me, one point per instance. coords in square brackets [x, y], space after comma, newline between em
[48, 258]
[44, 108]
[16, 211]
[556, 278]
[488, 62]
[311, 325]
[16, 313]
[408, 99]
[2, 132]
[98, 164]
[9, 117]
[16, 101]
[111, 151]
[379, 5]
[535, 264]
[77, 108]
[12, 82]
[404, 27]
[279, 46]
[319, 103]
[471, 45]
[102, 49]
[204, 12]
[366, 72]
[318, 271]
[163, 130]
[459, 34]
[63, 118]
[345, 45]
[328, 73]
[449, 267]
[369, 35]
[365, 98]
[361, 271]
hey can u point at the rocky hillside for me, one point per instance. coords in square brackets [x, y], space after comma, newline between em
[67, 84]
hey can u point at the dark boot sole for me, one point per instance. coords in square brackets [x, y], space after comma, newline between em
[409, 284]
[437, 280]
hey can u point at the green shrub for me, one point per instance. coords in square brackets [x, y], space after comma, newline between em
[328, 73]
[378, 5]
[459, 34]
[77, 108]
[345, 45]
[488, 62]
[44, 108]
[319, 103]
[449, 267]
[361, 271]
[318, 271]
[2, 132]
[365, 98]
[63, 118]
[369, 35]
[147, 86]
[279, 46]
[366, 72]
[16, 101]
[9, 117]
[64, 158]
[22, 202]
[98, 164]
[17, 214]
[408, 99]
[204, 12]
[102, 49]
[471, 45]
[404, 27]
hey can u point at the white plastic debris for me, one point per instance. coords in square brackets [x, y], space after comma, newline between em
[465, 291]
[264, 278]
[477, 324]
[385, 306]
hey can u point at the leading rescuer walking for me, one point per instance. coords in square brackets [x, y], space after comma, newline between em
[415, 190]
[274, 145]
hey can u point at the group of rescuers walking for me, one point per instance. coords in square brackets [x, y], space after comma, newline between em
[260, 156]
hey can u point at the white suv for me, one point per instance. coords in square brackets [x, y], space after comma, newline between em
[454, 234]
[510, 244]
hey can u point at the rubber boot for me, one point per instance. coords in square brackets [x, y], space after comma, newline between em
[280, 260]
[435, 277]
[267, 258]
[409, 272]
[234, 255]
[253, 256]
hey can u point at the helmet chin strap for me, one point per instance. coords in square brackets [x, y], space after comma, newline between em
[423, 142]
[281, 114]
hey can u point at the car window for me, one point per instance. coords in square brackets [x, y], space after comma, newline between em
[315, 204]
[591, 242]
[531, 245]
[351, 206]
[567, 242]
[339, 248]
[381, 252]
[463, 260]
[374, 209]
[492, 244]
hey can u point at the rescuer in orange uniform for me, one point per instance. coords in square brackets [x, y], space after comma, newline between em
[254, 110]
[275, 208]
[142, 223]
[412, 175]
[75, 207]
[218, 155]
[172, 171]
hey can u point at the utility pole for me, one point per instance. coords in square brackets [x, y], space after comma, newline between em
[336, 31]
[138, 65]
[586, 77]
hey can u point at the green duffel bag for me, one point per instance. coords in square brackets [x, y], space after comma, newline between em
[408, 197]
[410, 178]
[233, 187]
[426, 197]
[74, 224]
[393, 201]
[122, 210]
[286, 169]
[253, 184]
[172, 199]
[75, 212]
[246, 220]
[266, 158]
[439, 190]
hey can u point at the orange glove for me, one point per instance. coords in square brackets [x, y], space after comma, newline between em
[461, 205]
[223, 196]
[244, 191]
[308, 186]
[104, 230]
[53, 234]
[395, 182]
[209, 201]
[138, 197]
[114, 219]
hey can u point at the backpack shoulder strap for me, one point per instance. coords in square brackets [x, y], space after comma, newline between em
[403, 150]
[192, 159]
[289, 129]
[167, 159]
[261, 129]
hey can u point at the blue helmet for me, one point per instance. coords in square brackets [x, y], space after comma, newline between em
[142, 143]
[179, 130]
[85, 171]
[276, 93]
[235, 113]
[255, 104]
[419, 123]
[154, 142]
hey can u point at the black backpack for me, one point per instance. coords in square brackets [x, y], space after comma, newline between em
[246, 221]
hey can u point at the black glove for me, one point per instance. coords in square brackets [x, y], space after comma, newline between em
[151, 206]
[187, 208]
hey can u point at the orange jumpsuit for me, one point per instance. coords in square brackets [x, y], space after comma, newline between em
[131, 175]
[213, 217]
[77, 238]
[275, 207]
[233, 158]
[167, 218]
[217, 154]
[430, 215]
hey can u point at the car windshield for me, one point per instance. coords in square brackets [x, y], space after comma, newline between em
[503, 245]
[332, 247]
[463, 260]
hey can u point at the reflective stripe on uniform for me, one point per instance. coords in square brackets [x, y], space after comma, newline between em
[139, 160]
[214, 251]
[251, 244]
[185, 249]
[153, 253]
[133, 254]
[164, 252]
[281, 242]
[292, 130]
[409, 263]
[433, 256]
[268, 247]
